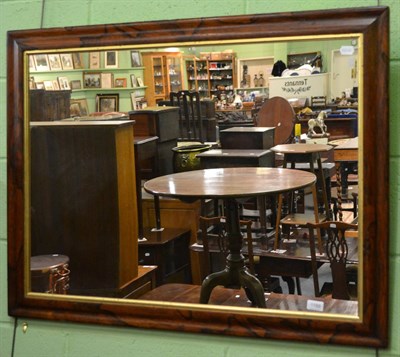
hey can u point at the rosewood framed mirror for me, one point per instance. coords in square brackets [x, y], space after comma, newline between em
[367, 26]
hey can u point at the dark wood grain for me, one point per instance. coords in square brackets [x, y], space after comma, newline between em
[372, 23]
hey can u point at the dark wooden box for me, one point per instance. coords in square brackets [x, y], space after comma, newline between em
[49, 105]
[247, 138]
[157, 121]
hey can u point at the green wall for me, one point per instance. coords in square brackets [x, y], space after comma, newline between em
[44, 338]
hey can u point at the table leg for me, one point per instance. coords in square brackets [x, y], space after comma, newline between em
[235, 275]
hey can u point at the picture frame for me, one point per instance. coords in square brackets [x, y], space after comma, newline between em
[41, 62]
[32, 84]
[111, 59]
[140, 81]
[76, 84]
[107, 80]
[133, 100]
[138, 102]
[48, 85]
[32, 66]
[94, 60]
[136, 60]
[79, 107]
[120, 83]
[107, 102]
[133, 81]
[296, 60]
[54, 62]
[77, 59]
[66, 61]
[56, 85]
[91, 79]
[64, 83]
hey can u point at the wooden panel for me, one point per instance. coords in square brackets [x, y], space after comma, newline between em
[49, 105]
[83, 201]
[176, 214]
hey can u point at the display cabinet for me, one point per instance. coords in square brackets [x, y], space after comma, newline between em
[163, 75]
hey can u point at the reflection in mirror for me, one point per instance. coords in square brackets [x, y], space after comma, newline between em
[101, 136]
[102, 123]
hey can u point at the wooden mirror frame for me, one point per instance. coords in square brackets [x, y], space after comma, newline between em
[372, 327]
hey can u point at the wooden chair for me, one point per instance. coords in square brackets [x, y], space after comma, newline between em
[190, 122]
[336, 251]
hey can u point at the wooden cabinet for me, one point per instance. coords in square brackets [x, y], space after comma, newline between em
[49, 105]
[163, 75]
[169, 250]
[83, 202]
[176, 214]
[162, 122]
[210, 77]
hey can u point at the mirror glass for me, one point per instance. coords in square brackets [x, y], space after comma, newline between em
[83, 226]
[73, 163]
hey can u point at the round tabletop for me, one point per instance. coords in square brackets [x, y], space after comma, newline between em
[301, 148]
[229, 182]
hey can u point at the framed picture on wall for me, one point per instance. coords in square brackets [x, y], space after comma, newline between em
[41, 62]
[64, 84]
[76, 84]
[296, 60]
[79, 107]
[107, 102]
[111, 59]
[133, 81]
[32, 66]
[94, 60]
[107, 80]
[91, 79]
[140, 82]
[66, 61]
[56, 85]
[77, 59]
[120, 83]
[48, 85]
[136, 60]
[54, 62]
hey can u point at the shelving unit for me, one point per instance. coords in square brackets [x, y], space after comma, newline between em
[123, 71]
[209, 77]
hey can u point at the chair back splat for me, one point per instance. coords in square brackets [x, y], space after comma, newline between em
[190, 124]
[337, 252]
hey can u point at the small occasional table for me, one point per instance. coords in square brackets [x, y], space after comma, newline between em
[229, 184]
